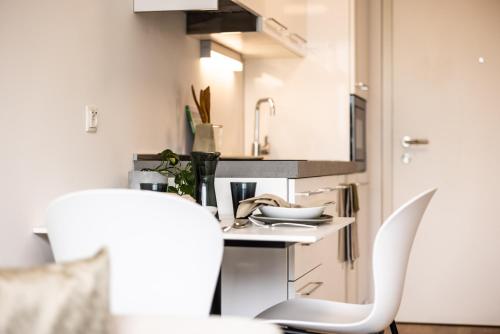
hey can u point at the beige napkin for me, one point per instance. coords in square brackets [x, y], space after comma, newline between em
[247, 206]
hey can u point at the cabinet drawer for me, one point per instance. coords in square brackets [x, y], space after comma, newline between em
[314, 191]
[312, 285]
[302, 259]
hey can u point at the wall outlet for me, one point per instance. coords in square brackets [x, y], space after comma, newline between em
[91, 119]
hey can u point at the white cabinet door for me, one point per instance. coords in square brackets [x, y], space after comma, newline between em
[286, 16]
[290, 13]
[174, 5]
[359, 47]
[312, 285]
[257, 7]
[313, 192]
[334, 272]
[359, 279]
[253, 279]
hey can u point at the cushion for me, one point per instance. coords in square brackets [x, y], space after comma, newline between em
[57, 298]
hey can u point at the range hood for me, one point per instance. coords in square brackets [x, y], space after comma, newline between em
[244, 31]
[235, 26]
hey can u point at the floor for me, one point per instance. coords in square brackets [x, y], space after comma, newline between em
[438, 329]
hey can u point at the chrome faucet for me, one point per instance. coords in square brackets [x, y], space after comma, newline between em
[257, 150]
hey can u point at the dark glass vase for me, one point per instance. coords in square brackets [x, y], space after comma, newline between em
[204, 166]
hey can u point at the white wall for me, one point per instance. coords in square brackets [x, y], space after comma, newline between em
[55, 57]
[311, 93]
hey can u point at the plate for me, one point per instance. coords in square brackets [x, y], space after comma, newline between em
[292, 213]
[312, 221]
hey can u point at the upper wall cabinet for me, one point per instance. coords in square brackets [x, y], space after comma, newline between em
[289, 15]
[160, 5]
[254, 28]
[359, 47]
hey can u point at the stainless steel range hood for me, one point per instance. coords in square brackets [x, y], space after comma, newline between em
[243, 31]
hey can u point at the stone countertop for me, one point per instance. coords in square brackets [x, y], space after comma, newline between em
[291, 169]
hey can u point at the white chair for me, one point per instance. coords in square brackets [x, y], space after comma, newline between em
[391, 251]
[165, 252]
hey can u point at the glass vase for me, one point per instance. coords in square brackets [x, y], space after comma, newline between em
[204, 166]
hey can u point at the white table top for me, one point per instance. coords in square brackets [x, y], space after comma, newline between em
[275, 234]
[285, 234]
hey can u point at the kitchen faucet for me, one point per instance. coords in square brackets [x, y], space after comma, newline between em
[257, 150]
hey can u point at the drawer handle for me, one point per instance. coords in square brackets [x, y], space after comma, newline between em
[278, 25]
[320, 191]
[314, 286]
[296, 37]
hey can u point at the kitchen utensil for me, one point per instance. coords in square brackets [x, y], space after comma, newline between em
[294, 213]
[227, 228]
[193, 118]
[312, 221]
[203, 104]
[240, 223]
[241, 191]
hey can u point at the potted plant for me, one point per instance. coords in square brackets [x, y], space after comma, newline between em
[170, 167]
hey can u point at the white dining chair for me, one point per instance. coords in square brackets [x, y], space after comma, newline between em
[391, 251]
[165, 252]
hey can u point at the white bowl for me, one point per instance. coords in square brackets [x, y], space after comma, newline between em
[294, 213]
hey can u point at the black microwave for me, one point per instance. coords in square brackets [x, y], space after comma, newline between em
[358, 130]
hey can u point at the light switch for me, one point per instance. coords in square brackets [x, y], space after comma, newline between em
[91, 119]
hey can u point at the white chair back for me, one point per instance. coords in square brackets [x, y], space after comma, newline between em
[165, 251]
[391, 252]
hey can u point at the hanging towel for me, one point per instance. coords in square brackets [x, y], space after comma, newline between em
[348, 236]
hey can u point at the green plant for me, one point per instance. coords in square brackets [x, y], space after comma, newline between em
[170, 166]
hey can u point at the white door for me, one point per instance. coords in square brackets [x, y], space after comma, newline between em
[446, 89]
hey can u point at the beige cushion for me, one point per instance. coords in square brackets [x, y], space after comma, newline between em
[57, 298]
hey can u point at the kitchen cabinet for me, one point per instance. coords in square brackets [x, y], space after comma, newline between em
[289, 16]
[313, 90]
[317, 191]
[358, 22]
[253, 28]
[292, 15]
[359, 279]
[174, 5]
[284, 21]
[298, 270]
[258, 7]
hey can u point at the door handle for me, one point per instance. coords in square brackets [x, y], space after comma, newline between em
[408, 141]
[362, 86]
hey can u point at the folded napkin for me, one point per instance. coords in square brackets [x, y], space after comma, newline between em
[247, 206]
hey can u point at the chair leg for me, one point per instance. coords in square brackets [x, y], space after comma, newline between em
[394, 328]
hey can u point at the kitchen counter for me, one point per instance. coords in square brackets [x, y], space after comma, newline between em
[291, 169]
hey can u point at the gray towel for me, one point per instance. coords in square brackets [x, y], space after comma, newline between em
[348, 236]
